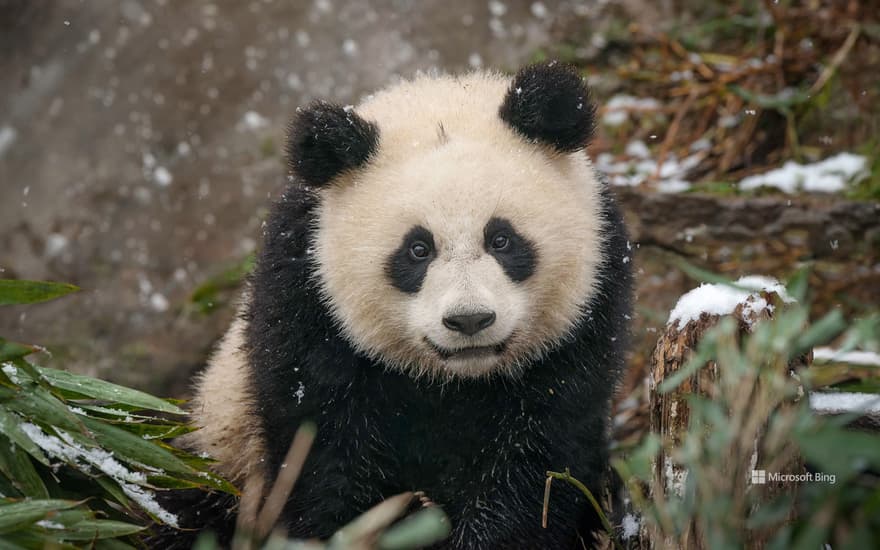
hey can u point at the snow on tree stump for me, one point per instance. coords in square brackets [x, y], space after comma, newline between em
[669, 413]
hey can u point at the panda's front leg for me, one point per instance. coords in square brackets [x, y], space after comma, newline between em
[326, 497]
[505, 511]
[507, 523]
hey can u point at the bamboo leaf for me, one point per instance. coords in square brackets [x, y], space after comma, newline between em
[10, 426]
[13, 291]
[11, 350]
[31, 540]
[113, 490]
[781, 101]
[99, 389]
[819, 332]
[796, 286]
[15, 515]
[37, 404]
[112, 544]
[418, 530]
[92, 529]
[133, 448]
[15, 465]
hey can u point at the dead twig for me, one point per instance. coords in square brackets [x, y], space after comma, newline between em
[837, 59]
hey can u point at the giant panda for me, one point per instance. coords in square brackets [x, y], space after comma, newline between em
[444, 289]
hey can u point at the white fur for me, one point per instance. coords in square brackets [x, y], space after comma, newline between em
[222, 409]
[452, 184]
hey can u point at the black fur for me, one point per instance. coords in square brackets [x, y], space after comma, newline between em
[478, 448]
[519, 259]
[405, 272]
[196, 511]
[549, 103]
[326, 140]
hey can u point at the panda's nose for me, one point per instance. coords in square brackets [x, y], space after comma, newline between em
[469, 323]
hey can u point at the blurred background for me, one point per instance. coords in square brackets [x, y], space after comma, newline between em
[141, 143]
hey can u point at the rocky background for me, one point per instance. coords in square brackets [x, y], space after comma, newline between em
[140, 146]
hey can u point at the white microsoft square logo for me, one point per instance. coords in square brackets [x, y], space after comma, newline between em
[759, 477]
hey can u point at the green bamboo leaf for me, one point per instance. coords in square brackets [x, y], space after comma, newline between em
[168, 482]
[202, 479]
[99, 389]
[113, 489]
[796, 286]
[132, 448]
[67, 518]
[781, 101]
[418, 530]
[15, 515]
[13, 291]
[207, 296]
[34, 376]
[149, 431]
[112, 544]
[38, 405]
[698, 273]
[6, 544]
[117, 412]
[841, 452]
[10, 426]
[15, 465]
[93, 529]
[11, 350]
[820, 332]
[33, 539]
[207, 541]
[184, 481]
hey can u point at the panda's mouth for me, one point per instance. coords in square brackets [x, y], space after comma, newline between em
[473, 352]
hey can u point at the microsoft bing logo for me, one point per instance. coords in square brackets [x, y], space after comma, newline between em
[759, 477]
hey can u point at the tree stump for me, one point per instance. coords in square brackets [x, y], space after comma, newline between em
[669, 413]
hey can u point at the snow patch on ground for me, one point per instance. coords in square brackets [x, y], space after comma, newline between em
[721, 299]
[671, 174]
[828, 176]
[619, 108]
[845, 402]
[868, 358]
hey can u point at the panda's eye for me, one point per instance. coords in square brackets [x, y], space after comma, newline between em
[500, 242]
[419, 250]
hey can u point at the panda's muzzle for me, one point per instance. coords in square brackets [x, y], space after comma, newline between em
[472, 352]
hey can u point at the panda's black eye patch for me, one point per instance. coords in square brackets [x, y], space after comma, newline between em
[407, 266]
[516, 254]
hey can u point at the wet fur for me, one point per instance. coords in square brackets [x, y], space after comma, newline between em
[478, 447]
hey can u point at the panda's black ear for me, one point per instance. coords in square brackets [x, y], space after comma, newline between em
[325, 140]
[549, 103]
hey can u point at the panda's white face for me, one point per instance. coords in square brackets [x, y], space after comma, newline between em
[462, 252]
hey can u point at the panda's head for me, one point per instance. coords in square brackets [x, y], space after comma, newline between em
[459, 226]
